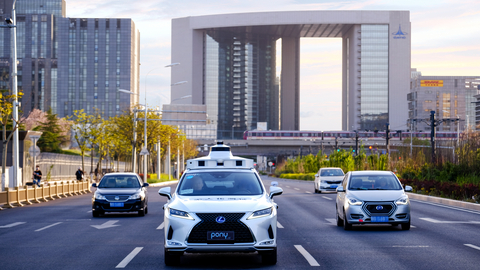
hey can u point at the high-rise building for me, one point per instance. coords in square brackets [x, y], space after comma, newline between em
[68, 64]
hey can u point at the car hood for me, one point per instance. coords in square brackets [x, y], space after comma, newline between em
[377, 195]
[117, 191]
[331, 178]
[220, 204]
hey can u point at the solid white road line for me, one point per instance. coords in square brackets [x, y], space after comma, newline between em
[450, 222]
[161, 226]
[129, 257]
[449, 207]
[89, 211]
[328, 198]
[296, 188]
[12, 225]
[307, 255]
[472, 246]
[279, 225]
[46, 227]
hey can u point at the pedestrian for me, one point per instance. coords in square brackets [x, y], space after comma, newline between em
[37, 176]
[96, 173]
[79, 174]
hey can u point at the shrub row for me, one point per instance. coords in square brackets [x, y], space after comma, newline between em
[470, 192]
[299, 176]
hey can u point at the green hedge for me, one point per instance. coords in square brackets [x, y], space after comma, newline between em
[299, 176]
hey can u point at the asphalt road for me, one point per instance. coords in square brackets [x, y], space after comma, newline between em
[62, 234]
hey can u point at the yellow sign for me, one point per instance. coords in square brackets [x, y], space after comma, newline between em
[431, 83]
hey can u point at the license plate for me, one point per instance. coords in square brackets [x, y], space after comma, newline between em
[116, 204]
[333, 186]
[220, 235]
[379, 219]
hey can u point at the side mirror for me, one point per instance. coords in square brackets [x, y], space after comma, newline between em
[316, 175]
[340, 189]
[165, 192]
[94, 185]
[275, 191]
[145, 185]
[274, 184]
[408, 189]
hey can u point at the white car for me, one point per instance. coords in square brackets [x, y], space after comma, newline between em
[220, 205]
[372, 197]
[328, 179]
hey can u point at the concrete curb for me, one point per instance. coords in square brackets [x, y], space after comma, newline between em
[162, 184]
[450, 202]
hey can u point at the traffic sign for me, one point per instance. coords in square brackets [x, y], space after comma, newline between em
[34, 151]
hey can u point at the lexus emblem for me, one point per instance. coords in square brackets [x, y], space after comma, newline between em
[118, 198]
[220, 219]
[379, 207]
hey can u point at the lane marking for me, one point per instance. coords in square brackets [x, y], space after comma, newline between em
[331, 221]
[108, 224]
[410, 246]
[288, 186]
[46, 227]
[296, 188]
[308, 192]
[89, 211]
[449, 222]
[12, 225]
[307, 255]
[472, 246]
[279, 225]
[161, 226]
[328, 198]
[129, 257]
[446, 206]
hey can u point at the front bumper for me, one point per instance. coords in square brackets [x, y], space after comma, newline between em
[182, 235]
[362, 214]
[329, 186]
[128, 206]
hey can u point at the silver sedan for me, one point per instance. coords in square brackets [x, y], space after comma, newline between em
[372, 197]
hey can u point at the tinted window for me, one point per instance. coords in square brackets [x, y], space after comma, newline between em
[373, 182]
[119, 181]
[331, 172]
[220, 183]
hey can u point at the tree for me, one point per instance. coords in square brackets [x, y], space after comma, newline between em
[51, 138]
[81, 129]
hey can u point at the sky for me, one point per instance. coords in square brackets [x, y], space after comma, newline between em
[445, 42]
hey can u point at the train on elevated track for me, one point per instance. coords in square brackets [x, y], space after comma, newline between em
[331, 135]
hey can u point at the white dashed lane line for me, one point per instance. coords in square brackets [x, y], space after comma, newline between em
[327, 198]
[472, 246]
[308, 192]
[288, 186]
[46, 227]
[12, 225]
[161, 226]
[129, 257]
[296, 188]
[279, 225]
[307, 256]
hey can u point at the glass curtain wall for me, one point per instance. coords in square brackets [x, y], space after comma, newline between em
[374, 81]
[239, 81]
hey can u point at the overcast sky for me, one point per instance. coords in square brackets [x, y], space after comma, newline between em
[445, 42]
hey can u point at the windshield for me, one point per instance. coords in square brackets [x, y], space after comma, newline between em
[331, 172]
[374, 182]
[220, 183]
[119, 181]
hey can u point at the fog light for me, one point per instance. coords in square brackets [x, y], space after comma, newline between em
[138, 206]
[173, 243]
[266, 243]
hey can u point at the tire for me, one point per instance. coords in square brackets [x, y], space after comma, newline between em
[172, 258]
[269, 257]
[95, 213]
[346, 226]
[406, 226]
[142, 212]
[146, 210]
[339, 220]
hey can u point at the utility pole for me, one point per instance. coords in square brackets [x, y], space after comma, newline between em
[336, 143]
[356, 143]
[387, 133]
[432, 136]
[134, 149]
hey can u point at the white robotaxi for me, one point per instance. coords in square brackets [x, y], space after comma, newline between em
[220, 205]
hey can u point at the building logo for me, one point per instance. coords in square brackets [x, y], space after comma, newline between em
[399, 34]
[431, 83]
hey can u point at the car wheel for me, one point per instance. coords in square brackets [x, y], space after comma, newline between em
[172, 258]
[339, 220]
[319, 191]
[146, 210]
[95, 213]
[142, 212]
[406, 226]
[346, 226]
[269, 257]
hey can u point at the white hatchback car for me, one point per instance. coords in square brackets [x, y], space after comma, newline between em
[220, 205]
[328, 179]
[372, 197]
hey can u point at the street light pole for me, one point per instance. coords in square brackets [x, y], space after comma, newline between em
[16, 152]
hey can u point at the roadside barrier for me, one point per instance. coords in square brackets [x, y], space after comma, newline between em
[13, 197]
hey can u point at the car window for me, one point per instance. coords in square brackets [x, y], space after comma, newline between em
[374, 182]
[119, 181]
[331, 172]
[220, 183]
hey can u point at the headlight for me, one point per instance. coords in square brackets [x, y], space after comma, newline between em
[353, 201]
[402, 201]
[99, 196]
[135, 196]
[261, 213]
[179, 214]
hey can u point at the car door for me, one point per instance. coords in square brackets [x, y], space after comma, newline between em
[341, 195]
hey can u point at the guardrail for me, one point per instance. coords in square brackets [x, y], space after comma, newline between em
[20, 196]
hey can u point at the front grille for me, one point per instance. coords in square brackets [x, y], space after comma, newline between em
[386, 208]
[121, 198]
[333, 182]
[208, 223]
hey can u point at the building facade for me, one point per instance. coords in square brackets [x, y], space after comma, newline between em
[69, 64]
[451, 97]
[230, 63]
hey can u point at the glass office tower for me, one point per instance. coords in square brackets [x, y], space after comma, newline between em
[239, 81]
